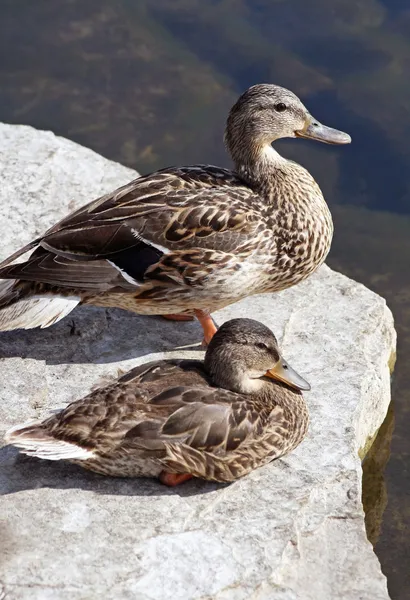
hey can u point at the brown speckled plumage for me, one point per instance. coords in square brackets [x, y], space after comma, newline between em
[216, 420]
[198, 237]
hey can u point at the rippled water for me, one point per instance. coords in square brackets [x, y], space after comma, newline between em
[148, 83]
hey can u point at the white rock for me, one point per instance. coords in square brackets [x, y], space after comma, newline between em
[292, 530]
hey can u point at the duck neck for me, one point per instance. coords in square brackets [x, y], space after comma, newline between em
[256, 163]
[279, 182]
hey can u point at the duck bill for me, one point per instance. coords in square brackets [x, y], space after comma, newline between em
[314, 130]
[282, 371]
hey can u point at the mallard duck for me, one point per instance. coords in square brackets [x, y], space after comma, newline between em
[176, 419]
[190, 240]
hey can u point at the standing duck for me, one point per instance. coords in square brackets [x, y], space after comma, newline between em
[176, 419]
[186, 241]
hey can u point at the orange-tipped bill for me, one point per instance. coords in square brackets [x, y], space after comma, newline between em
[284, 372]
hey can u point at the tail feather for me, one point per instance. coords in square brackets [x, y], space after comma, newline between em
[35, 440]
[20, 309]
[9, 292]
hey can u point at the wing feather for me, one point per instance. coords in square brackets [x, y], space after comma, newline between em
[180, 214]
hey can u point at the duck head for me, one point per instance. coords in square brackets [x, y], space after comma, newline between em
[265, 113]
[243, 356]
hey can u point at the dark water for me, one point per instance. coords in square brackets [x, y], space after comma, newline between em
[149, 83]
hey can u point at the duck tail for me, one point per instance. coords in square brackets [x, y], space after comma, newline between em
[22, 308]
[34, 440]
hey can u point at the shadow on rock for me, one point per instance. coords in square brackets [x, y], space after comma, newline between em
[96, 335]
[20, 473]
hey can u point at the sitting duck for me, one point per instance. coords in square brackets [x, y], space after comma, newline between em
[176, 419]
[186, 241]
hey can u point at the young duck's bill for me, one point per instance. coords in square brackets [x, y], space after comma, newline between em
[314, 130]
[282, 371]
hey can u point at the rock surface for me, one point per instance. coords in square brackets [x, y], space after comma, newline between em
[291, 530]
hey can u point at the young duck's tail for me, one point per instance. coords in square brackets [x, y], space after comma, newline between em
[34, 439]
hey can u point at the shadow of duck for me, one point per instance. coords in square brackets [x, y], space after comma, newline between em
[96, 335]
[21, 473]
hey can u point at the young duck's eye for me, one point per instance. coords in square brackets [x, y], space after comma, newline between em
[280, 107]
[262, 346]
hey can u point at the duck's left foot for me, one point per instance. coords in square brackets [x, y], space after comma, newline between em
[178, 317]
[208, 325]
[173, 479]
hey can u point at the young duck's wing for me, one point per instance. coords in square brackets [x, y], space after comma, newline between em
[205, 418]
[210, 433]
[155, 227]
[100, 422]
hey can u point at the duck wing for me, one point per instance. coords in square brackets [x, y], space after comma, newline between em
[155, 227]
[100, 421]
[53, 269]
[192, 411]
[210, 419]
[210, 433]
[159, 403]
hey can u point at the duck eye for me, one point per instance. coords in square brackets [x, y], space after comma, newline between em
[280, 107]
[262, 346]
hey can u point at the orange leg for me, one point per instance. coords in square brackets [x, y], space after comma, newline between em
[178, 317]
[173, 479]
[208, 325]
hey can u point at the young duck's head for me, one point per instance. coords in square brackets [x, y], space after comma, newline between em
[243, 356]
[265, 113]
